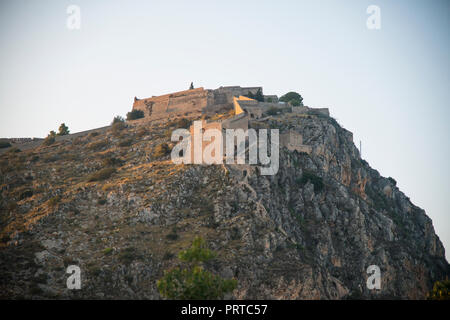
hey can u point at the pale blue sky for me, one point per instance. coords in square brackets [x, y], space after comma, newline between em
[390, 87]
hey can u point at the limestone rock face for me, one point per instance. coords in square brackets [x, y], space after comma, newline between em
[308, 232]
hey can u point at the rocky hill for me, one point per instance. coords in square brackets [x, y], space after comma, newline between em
[113, 203]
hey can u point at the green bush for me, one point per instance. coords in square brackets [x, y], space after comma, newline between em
[314, 179]
[193, 282]
[108, 251]
[118, 119]
[63, 130]
[272, 111]
[290, 96]
[135, 114]
[50, 139]
[441, 290]
[102, 174]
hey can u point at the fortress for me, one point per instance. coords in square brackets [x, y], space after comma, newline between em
[188, 101]
[209, 102]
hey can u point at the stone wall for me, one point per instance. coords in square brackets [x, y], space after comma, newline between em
[293, 141]
[305, 109]
[176, 103]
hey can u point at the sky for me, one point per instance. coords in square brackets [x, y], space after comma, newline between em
[389, 86]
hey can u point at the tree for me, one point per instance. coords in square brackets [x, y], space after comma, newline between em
[63, 130]
[441, 290]
[292, 97]
[50, 139]
[118, 119]
[191, 86]
[193, 282]
[135, 114]
[259, 96]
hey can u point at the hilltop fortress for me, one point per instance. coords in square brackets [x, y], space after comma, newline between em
[209, 102]
[199, 99]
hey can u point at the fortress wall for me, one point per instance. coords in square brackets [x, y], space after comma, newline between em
[323, 111]
[300, 109]
[233, 91]
[237, 122]
[273, 97]
[293, 141]
[174, 103]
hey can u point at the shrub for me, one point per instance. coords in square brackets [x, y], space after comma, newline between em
[182, 123]
[108, 251]
[118, 119]
[135, 114]
[290, 96]
[272, 111]
[259, 96]
[102, 174]
[63, 130]
[314, 179]
[110, 161]
[97, 145]
[161, 150]
[93, 134]
[295, 102]
[50, 139]
[128, 255]
[441, 291]
[117, 128]
[26, 194]
[14, 150]
[193, 282]
[101, 201]
[5, 144]
[168, 255]
[172, 236]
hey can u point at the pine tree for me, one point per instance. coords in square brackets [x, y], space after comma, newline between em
[191, 86]
[63, 130]
[193, 282]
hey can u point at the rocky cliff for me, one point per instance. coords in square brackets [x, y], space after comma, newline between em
[115, 205]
